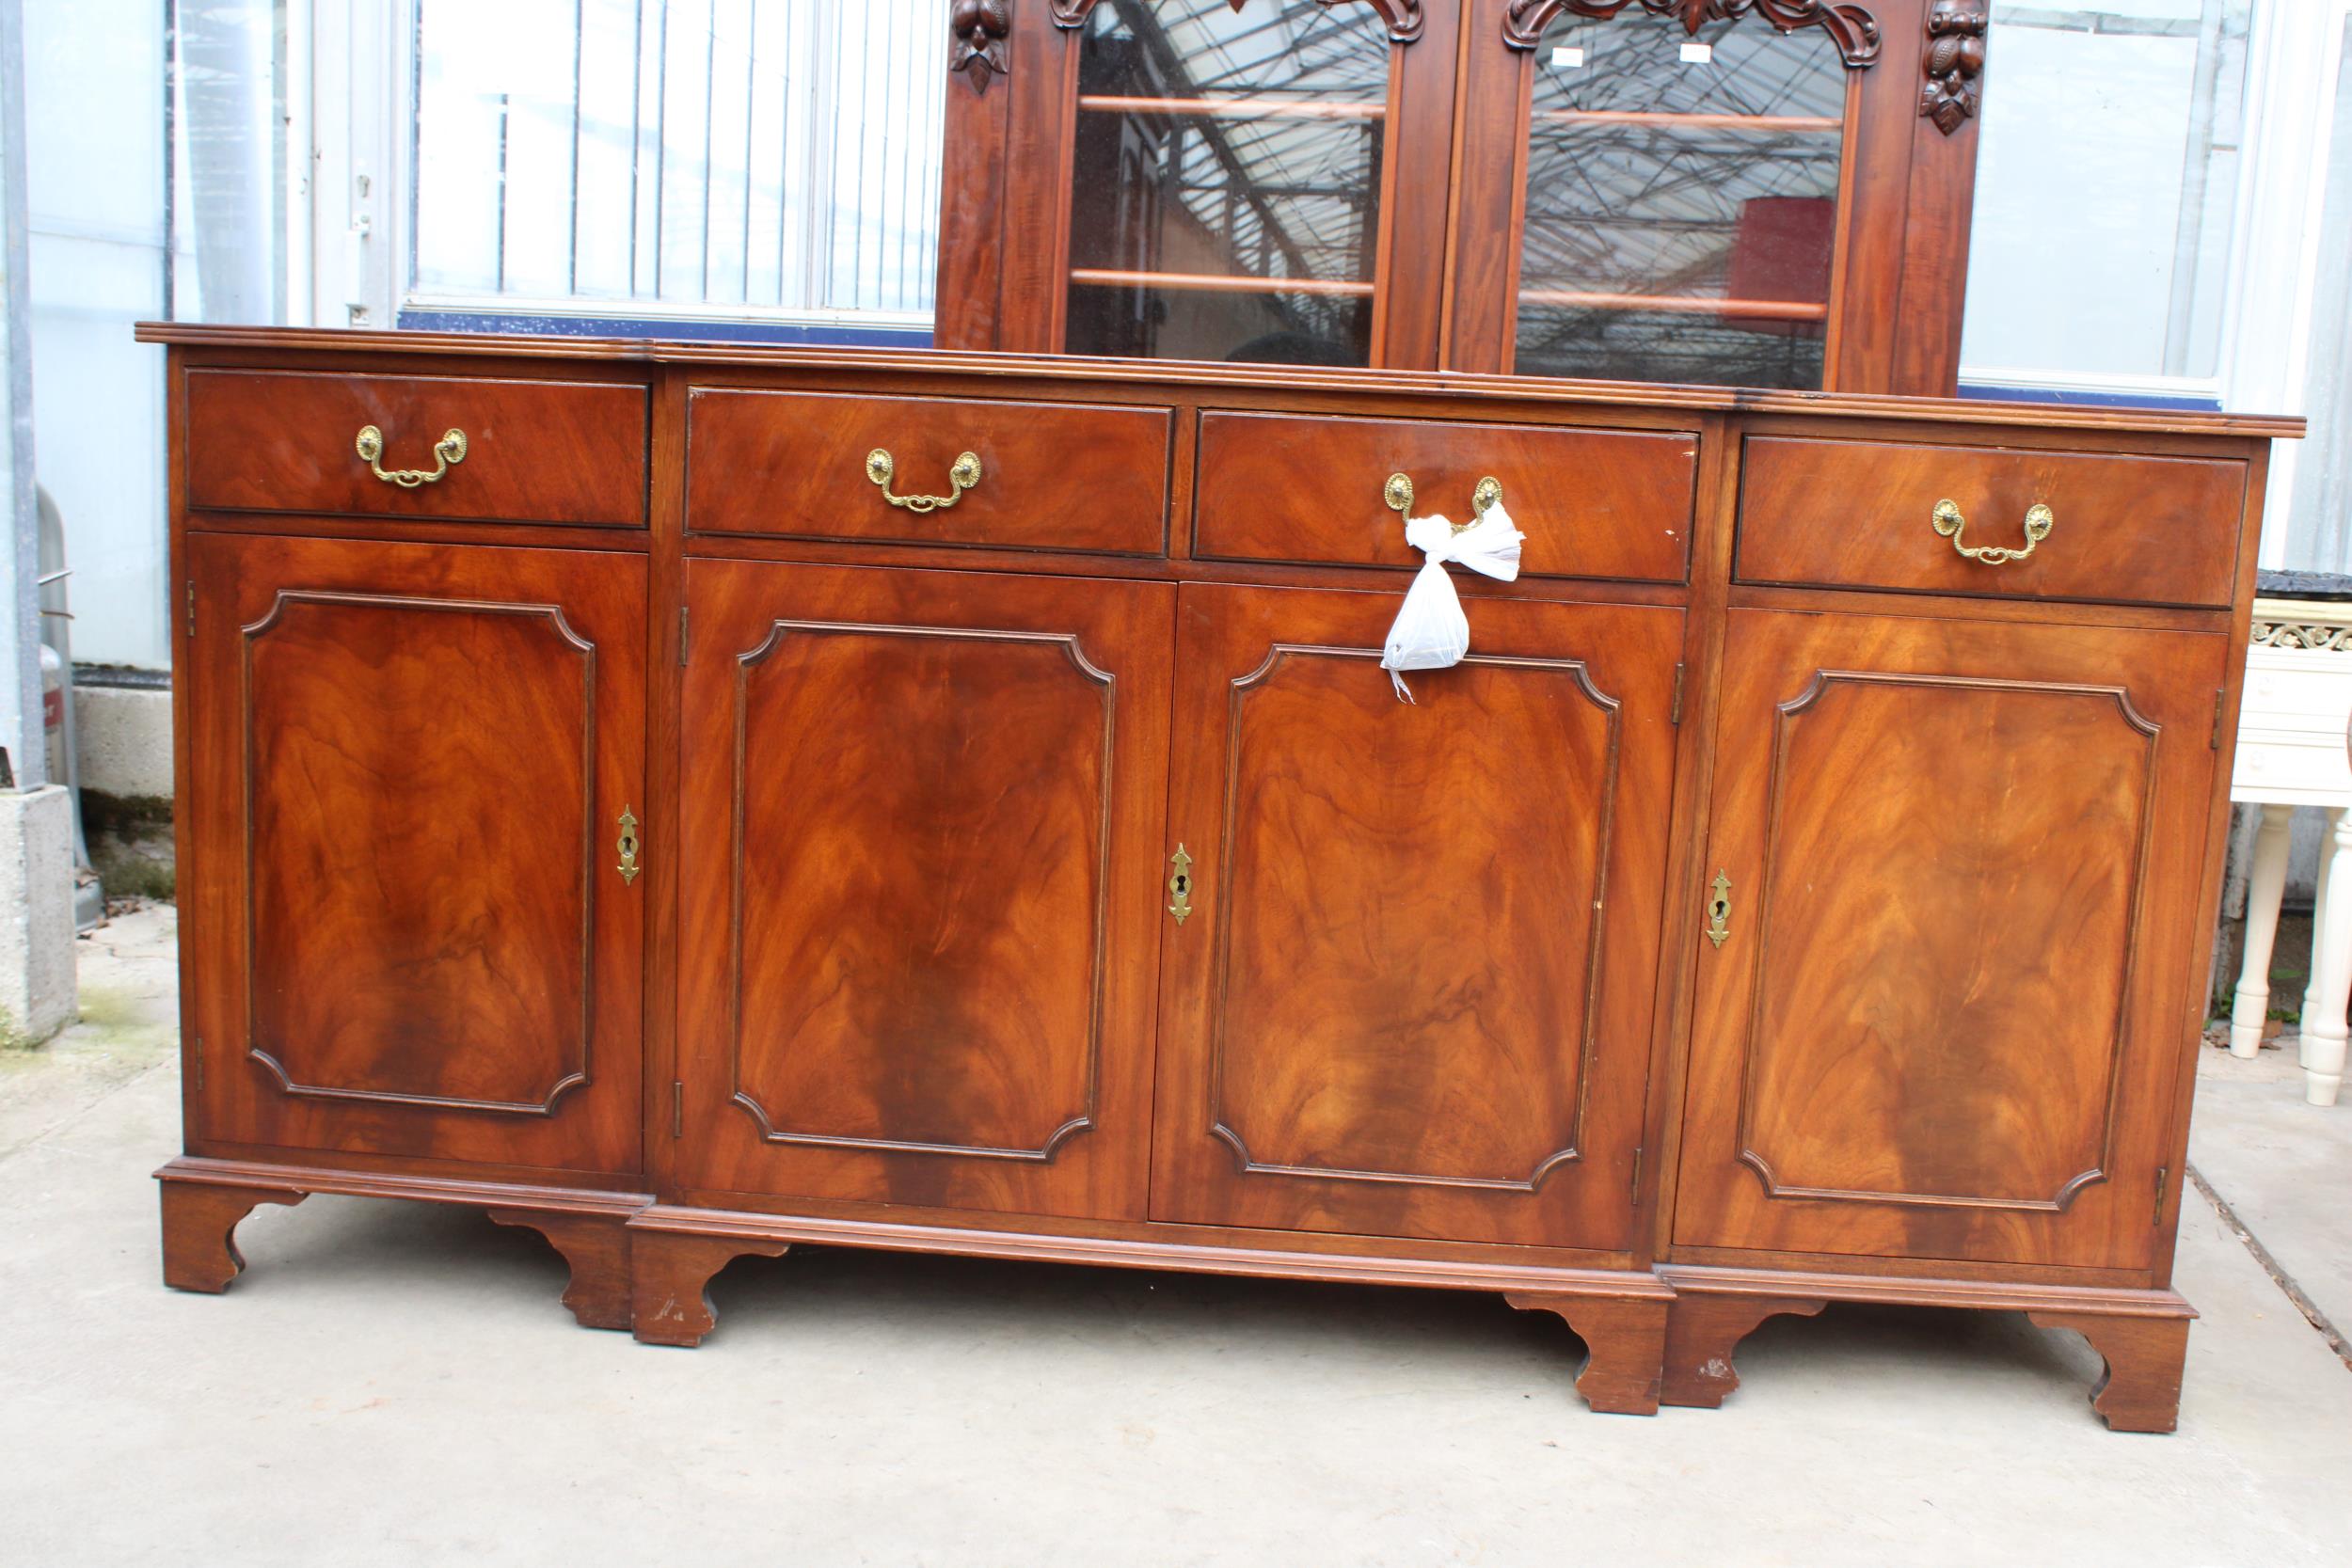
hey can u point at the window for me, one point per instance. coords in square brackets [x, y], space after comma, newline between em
[768, 162]
[1226, 193]
[2318, 523]
[2107, 180]
[1681, 204]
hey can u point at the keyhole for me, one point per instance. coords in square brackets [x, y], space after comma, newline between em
[1183, 885]
[1721, 910]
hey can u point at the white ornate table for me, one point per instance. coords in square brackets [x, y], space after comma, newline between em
[2291, 751]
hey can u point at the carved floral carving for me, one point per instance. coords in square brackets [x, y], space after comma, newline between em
[1404, 17]
[1851, 27]
[979, 50]
[1954, 60]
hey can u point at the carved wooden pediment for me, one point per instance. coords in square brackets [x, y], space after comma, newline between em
[1851, 27]
[1404, 17]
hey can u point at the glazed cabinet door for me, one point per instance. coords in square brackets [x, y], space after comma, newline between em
[1410, 992]
[922, 820]
[1948, 975]
[415, 928]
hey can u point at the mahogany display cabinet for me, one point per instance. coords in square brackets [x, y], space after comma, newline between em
[1763, 193]
[694, 800]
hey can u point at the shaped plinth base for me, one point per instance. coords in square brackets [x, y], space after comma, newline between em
[1625, 1346]
[598, 1248]
[1703, 1334]
[672, 1272]
[200, 1220]
[2140, 1390]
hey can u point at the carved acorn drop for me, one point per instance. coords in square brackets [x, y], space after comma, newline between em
[979, 27]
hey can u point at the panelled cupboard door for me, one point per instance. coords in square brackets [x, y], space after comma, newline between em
[412, 930]
[920, 897]
[1413, 994]
[1957, 966]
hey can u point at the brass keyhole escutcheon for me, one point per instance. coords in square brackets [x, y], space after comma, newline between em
[1718, 910]
[1180, 885]
[627, 846]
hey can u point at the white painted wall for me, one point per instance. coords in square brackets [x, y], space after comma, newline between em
[94, 145]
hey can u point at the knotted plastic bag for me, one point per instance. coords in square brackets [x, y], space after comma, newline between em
[1431, 632]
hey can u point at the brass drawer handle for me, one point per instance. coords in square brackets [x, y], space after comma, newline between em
[966, 474]
[449, 450]
[1948, 522]
[1398, 494]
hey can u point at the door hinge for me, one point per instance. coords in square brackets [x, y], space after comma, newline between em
[677, 1107]
[1675, 716]
[200, 1064]
[191, 606]
[1633, 1188]
[681, 636]
[2163, 1175]
[2221, 700]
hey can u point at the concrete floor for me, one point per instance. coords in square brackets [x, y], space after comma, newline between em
[391, 1384]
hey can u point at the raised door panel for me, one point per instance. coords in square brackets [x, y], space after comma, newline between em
[1958, 960]
[1413, 996]
[913, 801]
[414, 934]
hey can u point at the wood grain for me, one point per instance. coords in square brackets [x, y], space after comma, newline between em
[1055, 477]
[1414, 1000]
[2138, 530]
[548, 452]
[409, 934]
[1593, 504]
[924, 813]
[1960, 860]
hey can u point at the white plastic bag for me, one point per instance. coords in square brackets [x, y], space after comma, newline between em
[1431, 632]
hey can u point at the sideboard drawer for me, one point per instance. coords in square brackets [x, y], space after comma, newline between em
[1045, 476]
[2125, 529]
[537, 451]
[1613, 504]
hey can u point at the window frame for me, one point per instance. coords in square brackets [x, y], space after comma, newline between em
[352, 90]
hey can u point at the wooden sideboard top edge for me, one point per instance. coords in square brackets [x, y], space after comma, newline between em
[1183, 374]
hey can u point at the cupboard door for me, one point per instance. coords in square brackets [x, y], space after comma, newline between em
[1209, 182]
[1413, 995]
[1961, 954]
[411, 933]
[922, 819]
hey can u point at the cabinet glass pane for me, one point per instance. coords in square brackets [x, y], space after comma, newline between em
[1681, 203]
[1225, 201]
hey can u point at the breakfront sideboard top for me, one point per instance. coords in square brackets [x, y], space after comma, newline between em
[1364, 386]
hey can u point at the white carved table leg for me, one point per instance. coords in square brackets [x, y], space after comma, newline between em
[2319, 938]
[2264, 883]
[2323, 1028]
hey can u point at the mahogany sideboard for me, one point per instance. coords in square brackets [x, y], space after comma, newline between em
[696, 800]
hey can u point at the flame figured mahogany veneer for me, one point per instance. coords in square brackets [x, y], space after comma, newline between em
[679, 829]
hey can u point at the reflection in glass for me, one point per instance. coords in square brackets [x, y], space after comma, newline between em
[1226, 185]
[1681, 213]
